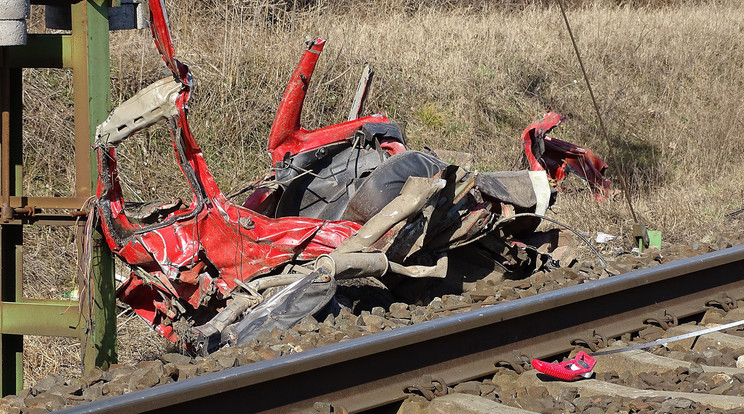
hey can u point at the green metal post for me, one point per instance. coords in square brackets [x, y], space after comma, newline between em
[86, 52]
[91, 77]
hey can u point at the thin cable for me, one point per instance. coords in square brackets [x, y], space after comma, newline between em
[664, 341]
[503, 220]
[85, 264]
[540, 216]
[599, 114]
[734, 213]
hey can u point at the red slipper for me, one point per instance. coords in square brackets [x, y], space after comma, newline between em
[579, 367]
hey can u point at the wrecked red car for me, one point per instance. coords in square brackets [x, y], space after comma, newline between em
[346, 201]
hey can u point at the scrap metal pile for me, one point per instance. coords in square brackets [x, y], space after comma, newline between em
[345, 201]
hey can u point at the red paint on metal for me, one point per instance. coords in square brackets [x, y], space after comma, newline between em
[237, 242]
[161, 33]
[287, 136]
[198, 255]
[217, 233]
[535, 133]
[260, 200]
[555, 156]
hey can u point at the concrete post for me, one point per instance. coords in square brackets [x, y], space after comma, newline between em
[13, 15]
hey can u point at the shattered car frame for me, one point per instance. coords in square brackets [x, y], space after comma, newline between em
[214, 272]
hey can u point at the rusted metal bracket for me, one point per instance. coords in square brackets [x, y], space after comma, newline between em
[593, 340]
[664, 320]
[519, 362]
[726, 302]
[357, 105]
[428, 387]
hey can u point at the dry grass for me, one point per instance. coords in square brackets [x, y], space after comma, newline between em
[469, 76]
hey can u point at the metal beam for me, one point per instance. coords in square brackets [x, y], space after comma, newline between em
[91, 84]
[52, 318]
[57, 52]
[49, 202]
[86, 52]
[11, 352]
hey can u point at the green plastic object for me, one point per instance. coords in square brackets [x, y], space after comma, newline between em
[654, 240]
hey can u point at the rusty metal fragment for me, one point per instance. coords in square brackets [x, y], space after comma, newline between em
[558, 157]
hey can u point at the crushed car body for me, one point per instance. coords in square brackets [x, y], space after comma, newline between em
[344, 201]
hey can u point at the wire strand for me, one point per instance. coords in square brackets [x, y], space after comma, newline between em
[623, 181]
[540, 216]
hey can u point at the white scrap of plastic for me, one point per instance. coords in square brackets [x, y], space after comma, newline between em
[604, 237]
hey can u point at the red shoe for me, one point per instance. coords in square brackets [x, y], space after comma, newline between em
[579, 367]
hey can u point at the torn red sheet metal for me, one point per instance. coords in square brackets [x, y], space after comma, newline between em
[206, 263]
[557, 157]
[287, 137]
[224, 243]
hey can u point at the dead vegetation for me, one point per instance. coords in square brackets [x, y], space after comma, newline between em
[469, 76]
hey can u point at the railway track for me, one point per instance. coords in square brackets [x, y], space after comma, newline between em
[692, 375]
[492, 343]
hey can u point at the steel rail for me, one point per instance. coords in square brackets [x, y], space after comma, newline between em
[368, 372]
